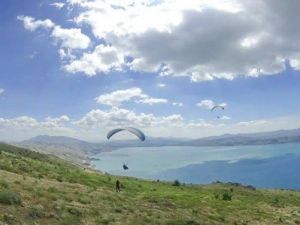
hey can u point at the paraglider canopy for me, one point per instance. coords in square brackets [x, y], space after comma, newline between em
[132, 130]
[217, 106]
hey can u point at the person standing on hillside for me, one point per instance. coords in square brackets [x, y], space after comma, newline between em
[118, 186]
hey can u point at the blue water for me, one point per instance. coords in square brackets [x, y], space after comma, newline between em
[267, 166]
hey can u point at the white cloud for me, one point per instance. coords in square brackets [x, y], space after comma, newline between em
[226, 38]
[206, 104]
[70, 38]
[66, 54]
[56, 122]
[253, 35]
[1, 91]
[122, 117]
[161, 85]
[253, 123]
[58, 5]
[209, 104]
[151, 101]
[179, 104]
[29, 123]
[102, 59]
[114, 117]
[225, 118]
[116, 98]
[32, 24]
[24, 127]
[32, 55]
[295, 62]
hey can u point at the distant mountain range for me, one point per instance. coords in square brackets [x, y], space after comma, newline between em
[262, 138]
[64, 147]
[82, 151]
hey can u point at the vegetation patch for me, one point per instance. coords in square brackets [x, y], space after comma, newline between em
[10, 198]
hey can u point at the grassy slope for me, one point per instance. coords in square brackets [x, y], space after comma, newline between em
[56, 192]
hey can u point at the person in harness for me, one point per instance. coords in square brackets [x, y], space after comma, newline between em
[118, 186]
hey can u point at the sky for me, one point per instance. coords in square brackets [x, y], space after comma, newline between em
[82, 67]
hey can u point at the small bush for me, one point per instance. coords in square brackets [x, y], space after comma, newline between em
[36, 212]
[52, 190]
[17, 182]
[84, 200]
[226, 197]
[74, 211]
[70, 220]
[103, 221]
[180, 222]
[3, 184]
[275, 201]
[8, 218]
[117, 210]
[59, 179]
[10, 198]
[176, 183]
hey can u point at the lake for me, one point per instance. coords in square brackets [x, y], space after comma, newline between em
[267, 166]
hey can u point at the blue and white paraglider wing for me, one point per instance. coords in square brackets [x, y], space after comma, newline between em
[132, 130]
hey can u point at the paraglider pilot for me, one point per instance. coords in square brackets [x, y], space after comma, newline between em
[125, 167]
[118, 186]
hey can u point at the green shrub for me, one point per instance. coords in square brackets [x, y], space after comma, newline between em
[59, 179]
[180, 222]
[74, 220]
[8, 219]
[84, 200]
[52, 190]
[10, 198]
[17, 182]
[275, 201]
[217, 196]
[118, 210]
[176, 183]
[3, 184]
[74, 211]
[36, 212]
[227, 196]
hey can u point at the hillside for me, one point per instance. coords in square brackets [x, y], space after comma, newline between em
[40, 189]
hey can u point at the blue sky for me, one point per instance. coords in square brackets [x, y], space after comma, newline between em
[58, 57]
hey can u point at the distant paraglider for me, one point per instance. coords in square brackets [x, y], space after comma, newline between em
[132, 130]
[217, 106]
[222, 106]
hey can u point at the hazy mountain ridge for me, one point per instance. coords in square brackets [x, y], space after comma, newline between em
[81, 151]
[243, 140]
[64, 147]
